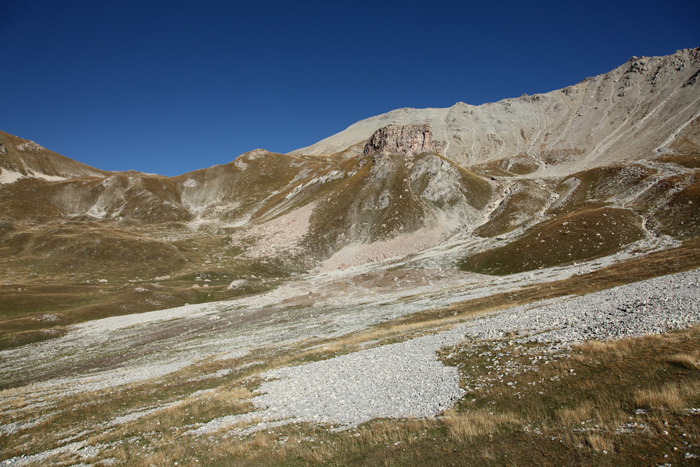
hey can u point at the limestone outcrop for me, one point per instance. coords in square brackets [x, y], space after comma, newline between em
[407, 140]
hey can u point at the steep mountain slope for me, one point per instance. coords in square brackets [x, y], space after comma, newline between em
[645, 107]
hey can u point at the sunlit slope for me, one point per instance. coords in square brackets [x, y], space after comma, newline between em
[646, 106]
[494, 177]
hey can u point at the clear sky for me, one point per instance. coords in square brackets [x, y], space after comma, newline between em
[173, 86]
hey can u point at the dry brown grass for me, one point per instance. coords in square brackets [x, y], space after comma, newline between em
[12, 402]
[691, 161]
[466, 425]
[600, 443]
[604, 411]
[617, 347]
[249, 448]
[238, 393]
[671, 396]
[684, 360]
[198, 409]
[583, 412]
[668, 397]
[157, 459]
[380, 432]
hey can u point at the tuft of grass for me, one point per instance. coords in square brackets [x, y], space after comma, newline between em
[466, 425]
[667, 397]
[580, 413]
[685, 360]
[599, 443]
[673, 396]
[617, 347]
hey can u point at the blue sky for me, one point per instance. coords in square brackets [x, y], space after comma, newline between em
[169, 87]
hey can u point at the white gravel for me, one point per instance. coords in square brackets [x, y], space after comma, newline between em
[652, 306]
[407, 380]
[392, 381]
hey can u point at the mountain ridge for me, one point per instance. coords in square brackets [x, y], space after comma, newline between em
[483, 176]
[504, 128]
[686, 61]
[20, 158]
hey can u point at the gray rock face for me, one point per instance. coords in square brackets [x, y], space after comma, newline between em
[407, 140]
[443, 180]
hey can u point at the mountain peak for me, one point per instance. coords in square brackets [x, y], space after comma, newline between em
[23, 158]
[635, 111]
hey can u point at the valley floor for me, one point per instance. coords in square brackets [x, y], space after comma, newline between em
[375, 362]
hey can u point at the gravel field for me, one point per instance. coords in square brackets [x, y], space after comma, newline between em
[392, 381]
[407, 380]
[652, 306]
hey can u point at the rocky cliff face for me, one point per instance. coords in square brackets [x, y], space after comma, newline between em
[407, 140]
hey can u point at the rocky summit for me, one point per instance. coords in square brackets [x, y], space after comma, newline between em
[432, 268]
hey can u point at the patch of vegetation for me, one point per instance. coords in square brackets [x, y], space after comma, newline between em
[521, 164]
[599, 185]
[386, 198]
[690, 161]
[490, 170]
[687, 141]
[680, 217]
[354, 212]
[80, 271]
[475, 189]
[528, 198]
[581, 235]
[560, 155]
[311, 192]
[683, 258]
